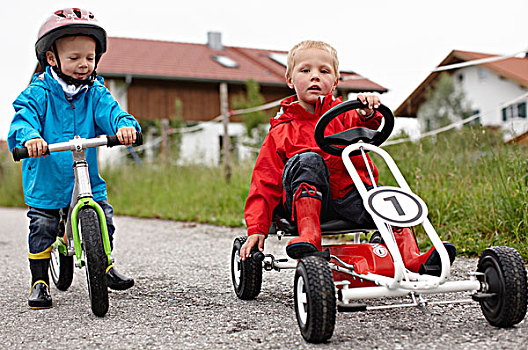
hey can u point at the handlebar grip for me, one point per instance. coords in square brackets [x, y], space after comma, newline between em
[20, 153]
[113, 141]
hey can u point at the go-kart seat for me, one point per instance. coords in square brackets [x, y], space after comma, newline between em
[330, 227]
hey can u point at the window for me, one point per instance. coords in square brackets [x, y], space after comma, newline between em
[482, 74]
[514, 111]
[225, 61]
[507, 113]
[521, 110]
[280, 58]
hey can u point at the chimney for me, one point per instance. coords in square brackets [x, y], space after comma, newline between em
[214, 40]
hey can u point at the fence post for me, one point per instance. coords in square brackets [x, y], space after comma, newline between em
[224, 110]
[164, 138]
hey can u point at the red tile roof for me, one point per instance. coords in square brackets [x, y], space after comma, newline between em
[513, 68]
[186, 61]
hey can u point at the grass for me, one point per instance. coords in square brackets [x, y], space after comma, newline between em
[190, 193]
[11, 194]
[474, 185]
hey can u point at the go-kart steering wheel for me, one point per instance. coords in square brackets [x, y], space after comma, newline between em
[351, 136]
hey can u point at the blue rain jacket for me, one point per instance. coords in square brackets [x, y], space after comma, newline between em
[42, 110]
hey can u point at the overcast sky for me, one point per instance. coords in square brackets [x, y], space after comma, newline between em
[394, 43]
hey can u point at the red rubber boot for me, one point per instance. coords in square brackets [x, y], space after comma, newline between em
[308, 210]
[427, 263]
[408, 247]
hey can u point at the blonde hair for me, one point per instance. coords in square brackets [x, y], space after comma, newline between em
[311, 44]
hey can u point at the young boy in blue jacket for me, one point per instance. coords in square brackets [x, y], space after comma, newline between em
[67, 99]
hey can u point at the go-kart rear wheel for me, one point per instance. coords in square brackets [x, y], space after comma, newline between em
[506, 278]
[246, 275]
[315, 301]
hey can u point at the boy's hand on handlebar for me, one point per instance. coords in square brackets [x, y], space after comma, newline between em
[36, 147]
[372, 101]
[126, 135]
[245, 250]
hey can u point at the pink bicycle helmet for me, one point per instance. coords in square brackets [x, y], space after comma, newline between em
[66, 22]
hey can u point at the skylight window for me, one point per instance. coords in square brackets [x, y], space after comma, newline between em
[279, 57]
[225, 61]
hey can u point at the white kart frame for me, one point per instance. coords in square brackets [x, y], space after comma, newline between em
[404, 281]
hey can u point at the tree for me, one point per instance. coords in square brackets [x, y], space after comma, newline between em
[444, 104]
[255, 122]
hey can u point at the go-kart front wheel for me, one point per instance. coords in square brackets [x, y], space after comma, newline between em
[315, 301]
[505, 276]
[246, 275]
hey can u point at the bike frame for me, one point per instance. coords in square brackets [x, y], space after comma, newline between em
[82, 197]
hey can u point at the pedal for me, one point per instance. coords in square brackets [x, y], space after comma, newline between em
[267, 266]
[483, 296]
[351, 307]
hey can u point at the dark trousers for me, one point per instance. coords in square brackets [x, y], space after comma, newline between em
[44, 226]
[310, 168]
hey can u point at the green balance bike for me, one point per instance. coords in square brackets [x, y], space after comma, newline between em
[83, 232]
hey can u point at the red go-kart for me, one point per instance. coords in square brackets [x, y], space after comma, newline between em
[346, 274]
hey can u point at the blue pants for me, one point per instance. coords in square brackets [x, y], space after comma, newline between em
[44, 226]
[311, 168]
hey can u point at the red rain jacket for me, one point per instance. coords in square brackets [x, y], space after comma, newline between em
[291, 133]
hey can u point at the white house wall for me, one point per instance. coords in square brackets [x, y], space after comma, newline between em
[487, 93]
[203, 147]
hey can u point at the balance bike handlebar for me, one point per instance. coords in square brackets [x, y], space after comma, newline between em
[108, 140]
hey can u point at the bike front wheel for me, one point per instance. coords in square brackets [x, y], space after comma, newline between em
[96, 260]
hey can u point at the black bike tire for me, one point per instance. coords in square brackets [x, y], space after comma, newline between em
[62, 275]
[96, 261]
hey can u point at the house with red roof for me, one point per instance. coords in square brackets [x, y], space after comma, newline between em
[495, 86]
[147, 77]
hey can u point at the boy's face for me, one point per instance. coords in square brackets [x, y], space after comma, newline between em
[76, 55]
[312, 76]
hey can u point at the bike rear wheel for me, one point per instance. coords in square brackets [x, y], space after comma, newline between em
[96, 260]
[61, 268]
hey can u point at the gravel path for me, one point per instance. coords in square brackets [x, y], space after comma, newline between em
[183, 299]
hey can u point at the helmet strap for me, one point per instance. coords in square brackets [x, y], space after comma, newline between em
[67, 79]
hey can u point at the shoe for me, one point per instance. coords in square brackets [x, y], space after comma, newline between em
[426, 263]
[308, 210]
[116, 280]
[40, 297]
[433, 264]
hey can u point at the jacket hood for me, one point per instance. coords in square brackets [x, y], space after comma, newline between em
[292, 109]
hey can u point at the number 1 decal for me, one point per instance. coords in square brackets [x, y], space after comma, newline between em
[396, 204]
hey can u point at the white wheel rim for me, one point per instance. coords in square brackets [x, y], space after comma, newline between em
[302, 300]
[55, 263]
[236, 268]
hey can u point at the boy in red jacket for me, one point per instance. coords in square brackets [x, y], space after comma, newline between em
[313, 184]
